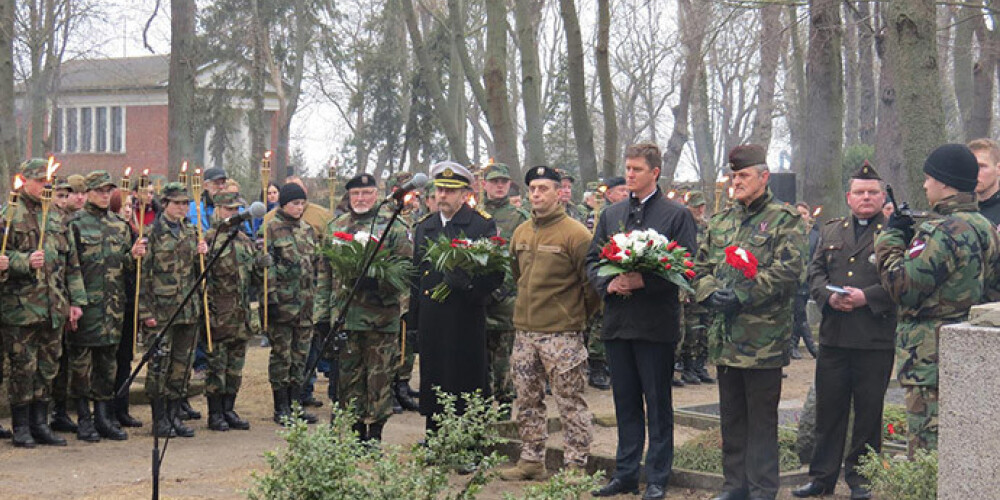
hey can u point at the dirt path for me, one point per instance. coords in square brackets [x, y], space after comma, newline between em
[218, 465]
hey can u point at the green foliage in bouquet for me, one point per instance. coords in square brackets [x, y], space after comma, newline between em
[476, 257]
[346, 254]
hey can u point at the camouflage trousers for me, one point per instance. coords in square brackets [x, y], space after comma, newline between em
[404, 371]
[33, 352]
[225, 366]
[695, 343]
[558, 358]
[169, 374]
[595, 346]
[61, 384]
[92, 371]
[367, 367]
[499, 344]
[289, 349]
[921, 418]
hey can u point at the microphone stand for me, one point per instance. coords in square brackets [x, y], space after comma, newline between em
[336, 329]
[154, 351]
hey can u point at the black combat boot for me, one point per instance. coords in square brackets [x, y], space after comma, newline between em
[702, 371]
[216, 421]
[281, 408]
[295, 396]
[162, 427]
[402, 391]
[811, 346]
[121, 413]
[19, 421]
[375, 432]
[186, 412]
[106, 424]
[85, 430]
[599, 377]
[229, 413]
[174, 411]
[39, 426]
[689, 376]
[60, 419]
[676, 381]
[362, 431]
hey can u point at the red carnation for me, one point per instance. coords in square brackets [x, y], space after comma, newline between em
[672, 245]
[689, 273]
[343, 236]
[742, 260]
[688, 263]
[668, 266]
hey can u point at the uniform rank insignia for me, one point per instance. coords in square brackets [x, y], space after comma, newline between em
[916, 248]
[763, 226]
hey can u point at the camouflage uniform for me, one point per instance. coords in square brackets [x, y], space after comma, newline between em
[693, 350]
[292, 245]
[368, 361]
[750, 345]
[36, 310]
[60, 384]
[169, 269]
[235, 272]
[500, 308]
[404, 370]
[948, 267]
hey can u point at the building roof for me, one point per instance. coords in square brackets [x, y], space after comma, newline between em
[146, 72]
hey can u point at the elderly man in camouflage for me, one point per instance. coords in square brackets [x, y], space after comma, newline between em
[292, 245]
[168, 271]
[500, 308]
[936, 272]
[35, 310]
[368, 363]
[752, 321]
[106, 251]
[553, 303]
[236, 271]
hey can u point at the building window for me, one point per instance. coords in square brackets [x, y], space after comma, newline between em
[89, 129]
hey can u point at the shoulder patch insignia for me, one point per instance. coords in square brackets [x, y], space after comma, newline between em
[484, 213]
[916, 248]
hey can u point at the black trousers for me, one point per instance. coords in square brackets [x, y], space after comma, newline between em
[748, 409]
[843, 374]
[640, 384]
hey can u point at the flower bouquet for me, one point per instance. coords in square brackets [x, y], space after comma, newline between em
[742, 260]
[346, 253]
[647, 251]
[476, 257]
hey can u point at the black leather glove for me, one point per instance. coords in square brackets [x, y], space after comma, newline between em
[366, 283]
[458, 280]
[723, 301]
[901, 220]
[322, 328]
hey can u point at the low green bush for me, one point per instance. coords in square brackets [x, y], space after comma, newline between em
[704, 452]
[899, 478]
[894, 423]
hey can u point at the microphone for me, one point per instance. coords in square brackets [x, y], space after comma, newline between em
[256, 211]
[418, 181]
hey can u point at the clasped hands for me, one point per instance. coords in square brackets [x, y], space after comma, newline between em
[847, 303]
[626, 283]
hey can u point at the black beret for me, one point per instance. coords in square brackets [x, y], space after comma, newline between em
[541, 172]
[615, 182]
[361, 181]
[747, 155]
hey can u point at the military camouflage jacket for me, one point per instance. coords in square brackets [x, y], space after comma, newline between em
[372, 310]
[500, 309]
[290, 287]
[169, 269]
[756, 337]
[949, 266]
[230, 280]
[27, 300]
[692, 308]
[104, 245]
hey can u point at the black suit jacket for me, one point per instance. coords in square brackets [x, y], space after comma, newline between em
[842, 260]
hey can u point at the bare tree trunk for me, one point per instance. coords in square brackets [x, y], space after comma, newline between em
[457, 74]
[181, 89]
[607, 89]
[456, 143]
[692, 33]
[889, 137]
[851, 70]
[980, 119]
[498, 108]
[824, 128]
[912, 49]
[258, 82]
[704, 144]
[797, 103]
[867, 103]
[9, 147]
[583, 132]
[961, 63]
[770, 54]
[527, 14]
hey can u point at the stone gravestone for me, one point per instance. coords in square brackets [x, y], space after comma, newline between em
[969, 407]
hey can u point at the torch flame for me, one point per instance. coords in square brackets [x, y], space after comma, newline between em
[18, 182]
[197, 171]
[724, 179]
[184, 166]
[818, 211]
[145, 172]
[731, 190]
[267, 155]
[671, 195]
[128, 171]
[687, 197]
[51, 168]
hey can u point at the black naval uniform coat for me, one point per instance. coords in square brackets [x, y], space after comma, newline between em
[452, 334]
[856, 349]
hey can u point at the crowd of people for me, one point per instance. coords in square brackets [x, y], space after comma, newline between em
[885, 279]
